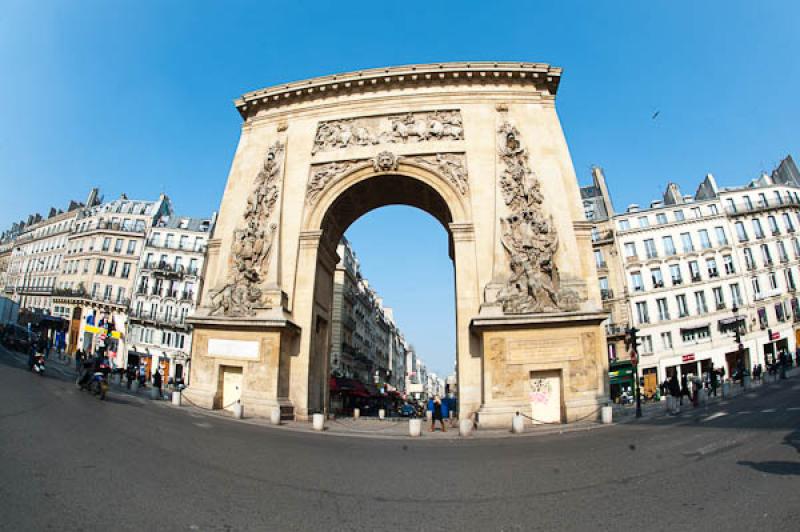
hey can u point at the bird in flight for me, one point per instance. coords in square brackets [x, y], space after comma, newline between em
[655, 115]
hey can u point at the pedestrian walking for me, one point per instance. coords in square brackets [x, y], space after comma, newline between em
[685, 389]
[675, 388]
[439, 411]
[157, 381]
[78, 359]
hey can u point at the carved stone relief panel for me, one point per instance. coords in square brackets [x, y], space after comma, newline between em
[386, 129]
[450, 166]
[529, 236]
[252, 243]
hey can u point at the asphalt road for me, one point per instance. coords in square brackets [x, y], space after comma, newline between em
[71, 462]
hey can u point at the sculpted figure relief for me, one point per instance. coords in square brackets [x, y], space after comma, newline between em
[408, 127]
[252, 245]
[323, 175]
[450, 165]
[528, 236]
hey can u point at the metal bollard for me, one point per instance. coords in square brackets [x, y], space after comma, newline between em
[275, 415]
[154, 394]
[318, 422]
[415, 428]
[176, 398]
[356, 413]
[135, 386]
[726, 390]
[517, 424]
[465, 427]
[238, 410]
[428, 416]
[747, 382]
[605, 415]
[381, 413]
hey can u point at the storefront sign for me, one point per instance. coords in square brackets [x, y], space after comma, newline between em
[775, 336]
[97, 330]
[687, 358]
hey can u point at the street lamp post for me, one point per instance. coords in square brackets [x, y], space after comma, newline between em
[633, 351]
[738, 340]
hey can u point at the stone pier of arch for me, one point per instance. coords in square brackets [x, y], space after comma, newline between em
[479, 146]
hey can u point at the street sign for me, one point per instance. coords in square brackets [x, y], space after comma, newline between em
[687, 358]
[775, 336]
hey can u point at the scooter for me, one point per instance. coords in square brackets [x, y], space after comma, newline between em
[98, 385]
[38, 365]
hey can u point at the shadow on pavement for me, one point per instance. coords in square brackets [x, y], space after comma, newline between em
[774, 467]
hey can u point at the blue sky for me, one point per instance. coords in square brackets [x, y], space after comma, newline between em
[135, 96]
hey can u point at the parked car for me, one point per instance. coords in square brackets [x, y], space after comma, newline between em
[17, 338]
[408, 410]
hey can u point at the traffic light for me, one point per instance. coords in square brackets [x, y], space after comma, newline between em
[631, 341]
[769, 334]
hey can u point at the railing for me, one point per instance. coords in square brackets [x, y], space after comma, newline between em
[614, 329]
[603, 237]
[606, 294]
[166, 267]
[163, 245]
[743, 208]
[108, 226]
[602, 265]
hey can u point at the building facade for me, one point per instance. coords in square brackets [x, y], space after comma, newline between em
[168, 280]
[100, 265]
[697, 268]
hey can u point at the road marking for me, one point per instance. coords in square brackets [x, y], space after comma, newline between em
[203, 425]
[714, 416]
[793, 408]
[768, 411]
[745, 412]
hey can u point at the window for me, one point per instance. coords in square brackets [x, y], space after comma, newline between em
[624, 225]
[727, 260]
[778, 197]
[757, 229]
[741, 232]
[694, 271]
[773, 225]
[666, 340]
[719, 297]
[773, 281]
[650, 248]
[647, 344]
[126, 270]
[713, 209]
[155, 240]
[107, 292]
[695, 334]
[700, 301]
[118, 246]
[149, 261]
[636, 282]
[683, 309]
[101, 266]
[106, 244]
[790, 280]
[780, 312]
[178, 264]
[95, 289]
[131, 247]
[661, 218]
[796, 247]
[766, 254]
[722, 238]
[679, 217]
[787, 221]
[663, 311]
[762, 200]
[688, 245]
[193, 264]
[705, 241]
[696, 212]
[603, 282]
[658, 279]
[669, 245]
[630, 250]
[644, 221]
[112, 268]
[731, 205]
[183, 242]
[120, 294]
[762, 318]
[711, 267]
[748, 203]
[749, 261]
[599, 261]
[641, 312]
[736, 296]
[86, 266]
[168, 242]
[675, 273]
[756, 287]
[782, 254]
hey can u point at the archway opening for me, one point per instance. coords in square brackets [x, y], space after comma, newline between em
[384, 325]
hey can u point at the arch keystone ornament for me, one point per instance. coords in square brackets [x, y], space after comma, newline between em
[476, 145]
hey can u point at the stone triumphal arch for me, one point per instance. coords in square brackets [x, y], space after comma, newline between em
[478, 146]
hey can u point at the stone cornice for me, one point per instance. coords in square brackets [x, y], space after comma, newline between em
[541, 76]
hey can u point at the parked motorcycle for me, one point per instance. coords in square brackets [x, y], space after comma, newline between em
[38, 365]
[99, 383]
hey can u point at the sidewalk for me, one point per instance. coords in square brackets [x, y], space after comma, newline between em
[627, 413]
